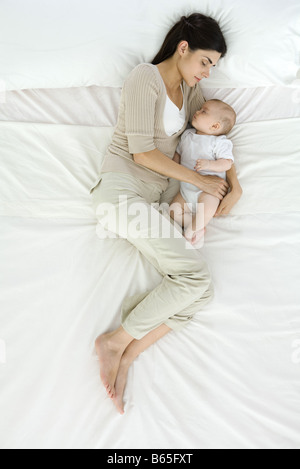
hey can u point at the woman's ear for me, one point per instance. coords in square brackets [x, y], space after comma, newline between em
[183, 47]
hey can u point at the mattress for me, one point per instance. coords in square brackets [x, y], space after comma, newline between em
[231, 378]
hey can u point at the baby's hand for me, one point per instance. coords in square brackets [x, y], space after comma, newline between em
[202, 165]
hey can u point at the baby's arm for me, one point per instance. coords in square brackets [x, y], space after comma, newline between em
[220, 165]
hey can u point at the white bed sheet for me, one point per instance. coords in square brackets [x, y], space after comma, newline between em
[98, 106]
[227, 381]
[47, 170]
[235, 366]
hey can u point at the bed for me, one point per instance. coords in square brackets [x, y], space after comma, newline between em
[231, 379]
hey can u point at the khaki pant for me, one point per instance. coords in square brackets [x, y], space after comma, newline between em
[126, 206]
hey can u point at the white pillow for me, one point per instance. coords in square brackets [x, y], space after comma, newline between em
[71, 43]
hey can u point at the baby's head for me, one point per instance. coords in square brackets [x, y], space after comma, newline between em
[214, 118]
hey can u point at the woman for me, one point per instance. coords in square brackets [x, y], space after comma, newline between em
[158, 100]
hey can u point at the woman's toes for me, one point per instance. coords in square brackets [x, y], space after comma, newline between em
[110, 391]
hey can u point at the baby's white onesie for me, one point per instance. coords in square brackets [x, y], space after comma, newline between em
[193, 147]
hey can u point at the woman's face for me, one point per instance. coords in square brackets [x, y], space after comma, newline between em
[194, 66]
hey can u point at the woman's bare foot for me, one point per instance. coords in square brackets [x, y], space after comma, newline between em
[120, 385]
[109, 358]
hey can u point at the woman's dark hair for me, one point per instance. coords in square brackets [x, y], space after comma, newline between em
[200, 31]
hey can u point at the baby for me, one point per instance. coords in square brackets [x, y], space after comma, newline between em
[208, 140]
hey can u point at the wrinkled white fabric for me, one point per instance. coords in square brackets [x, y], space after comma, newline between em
[65, 48]
[235, 368]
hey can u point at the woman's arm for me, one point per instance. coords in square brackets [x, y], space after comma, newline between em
[177, 158]
[233, 180]
[234, 195]
[162, 164]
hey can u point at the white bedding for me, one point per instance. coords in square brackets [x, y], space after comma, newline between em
[231, 379]
[84, 43]
[98, 106]
[237, 383]
[227, 381]
[266, 158]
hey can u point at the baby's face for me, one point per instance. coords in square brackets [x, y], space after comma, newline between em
[204, 119]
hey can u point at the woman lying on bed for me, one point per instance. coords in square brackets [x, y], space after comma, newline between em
[157, 103]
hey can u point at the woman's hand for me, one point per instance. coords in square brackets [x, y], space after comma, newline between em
[212, 185]
[229, 202]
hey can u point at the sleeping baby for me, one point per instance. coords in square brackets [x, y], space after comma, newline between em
[207, 140]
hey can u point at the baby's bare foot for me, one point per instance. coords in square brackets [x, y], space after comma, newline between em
[109, 358]
[198, 242]
[120, 385]
[198, 236]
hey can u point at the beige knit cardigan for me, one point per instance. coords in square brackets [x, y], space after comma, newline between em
[140, 126]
